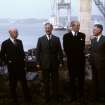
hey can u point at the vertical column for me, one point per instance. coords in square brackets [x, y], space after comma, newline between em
[85, 7]
[69, 11]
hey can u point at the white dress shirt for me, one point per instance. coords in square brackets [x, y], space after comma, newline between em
[48, 36]
[12, 40]
[98, 37]
[74, 33]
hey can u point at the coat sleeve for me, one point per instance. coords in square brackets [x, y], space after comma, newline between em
[84, 41]
[22, 49]
[60, 52]
[38, 52]
[3, 54]
[65, 44]
[91, 53]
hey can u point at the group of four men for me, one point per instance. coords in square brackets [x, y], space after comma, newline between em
[49, 58]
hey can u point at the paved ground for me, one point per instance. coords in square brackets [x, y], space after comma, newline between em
[36, 88]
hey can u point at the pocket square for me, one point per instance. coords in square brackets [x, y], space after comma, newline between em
[81, 39]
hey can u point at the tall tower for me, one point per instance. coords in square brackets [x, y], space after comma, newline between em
[63, 8]
[85, 7]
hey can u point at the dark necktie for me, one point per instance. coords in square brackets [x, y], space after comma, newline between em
[75, 34]
[15, 42]
[49, 41]
[49, 37]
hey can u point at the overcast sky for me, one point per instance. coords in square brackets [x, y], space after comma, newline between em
[29, 8]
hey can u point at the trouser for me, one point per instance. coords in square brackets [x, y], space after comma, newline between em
[101, 82]
[95, 82]
[14, 77]
[77, 76]
[50, 79]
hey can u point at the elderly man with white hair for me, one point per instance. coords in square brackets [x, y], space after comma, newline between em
[12, 53]
[74, 46]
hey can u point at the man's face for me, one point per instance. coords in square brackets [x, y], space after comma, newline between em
[76, 27]
[96, 31]
[13, 34]
[48, 29]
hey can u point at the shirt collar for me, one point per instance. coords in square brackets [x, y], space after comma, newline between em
[12, 40]
[98, 37]
[73, 32]
[48, 36]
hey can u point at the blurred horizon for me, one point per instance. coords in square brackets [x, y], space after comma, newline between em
[20, 9]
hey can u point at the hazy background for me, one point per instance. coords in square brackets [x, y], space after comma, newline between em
[29, 15]
[33, 8]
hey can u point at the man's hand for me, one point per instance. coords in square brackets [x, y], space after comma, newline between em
[60, 65]
[38, 66]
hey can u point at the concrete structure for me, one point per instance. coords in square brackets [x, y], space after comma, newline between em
[85, 17]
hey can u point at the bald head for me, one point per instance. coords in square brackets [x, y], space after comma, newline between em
[13, 32]
[75, 25]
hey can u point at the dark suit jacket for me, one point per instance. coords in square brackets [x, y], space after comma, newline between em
[49, 53]
[97, 52]
[74, 46]
[97, 60]
[13, 55]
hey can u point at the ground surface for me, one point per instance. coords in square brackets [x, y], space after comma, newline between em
[36, 89]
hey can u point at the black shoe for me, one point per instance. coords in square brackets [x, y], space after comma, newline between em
[14, 102]
[47, 100]
[82, 101]
[73, 99]
[28, 99]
